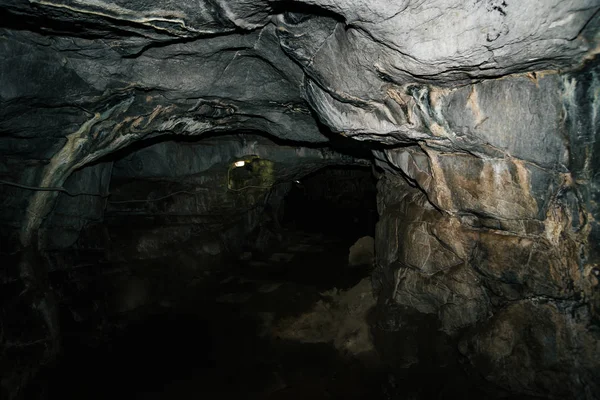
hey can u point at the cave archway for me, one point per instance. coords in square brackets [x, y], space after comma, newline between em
[220, 245]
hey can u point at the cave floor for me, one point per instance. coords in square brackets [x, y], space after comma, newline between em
[220, 343]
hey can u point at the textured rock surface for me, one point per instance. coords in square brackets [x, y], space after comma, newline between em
[482, 116]
[496, 243]
[341, 319]
[362, 252]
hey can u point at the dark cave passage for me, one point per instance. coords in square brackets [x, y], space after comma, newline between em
[265, 329]
[177, 301]
[335, 201]
[230, 266]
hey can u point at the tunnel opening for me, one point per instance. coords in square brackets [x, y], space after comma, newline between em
[338, 201]
[221, 266]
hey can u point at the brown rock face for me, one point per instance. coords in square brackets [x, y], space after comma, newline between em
[539, 348]
[426, 253]
[496, 246]
[496, 271]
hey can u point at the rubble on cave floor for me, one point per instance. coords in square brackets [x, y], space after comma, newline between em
[285, 324]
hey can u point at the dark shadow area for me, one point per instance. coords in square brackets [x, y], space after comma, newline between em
[337, 201]
[417, 336]
[218, 339]
[172, 326]
[221, 353]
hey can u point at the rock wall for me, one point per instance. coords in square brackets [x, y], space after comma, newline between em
[483, 115]
[496, 246]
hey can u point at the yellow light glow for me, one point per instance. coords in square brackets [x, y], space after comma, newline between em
[240, 163]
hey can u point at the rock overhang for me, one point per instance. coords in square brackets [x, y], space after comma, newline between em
[348, 63]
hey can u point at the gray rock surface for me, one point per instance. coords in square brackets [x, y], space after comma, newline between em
[482, 117]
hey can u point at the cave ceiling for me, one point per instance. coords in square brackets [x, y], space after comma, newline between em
[82, 79]
[115, 72]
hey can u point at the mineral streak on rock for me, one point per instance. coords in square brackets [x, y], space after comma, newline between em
[481, 117]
